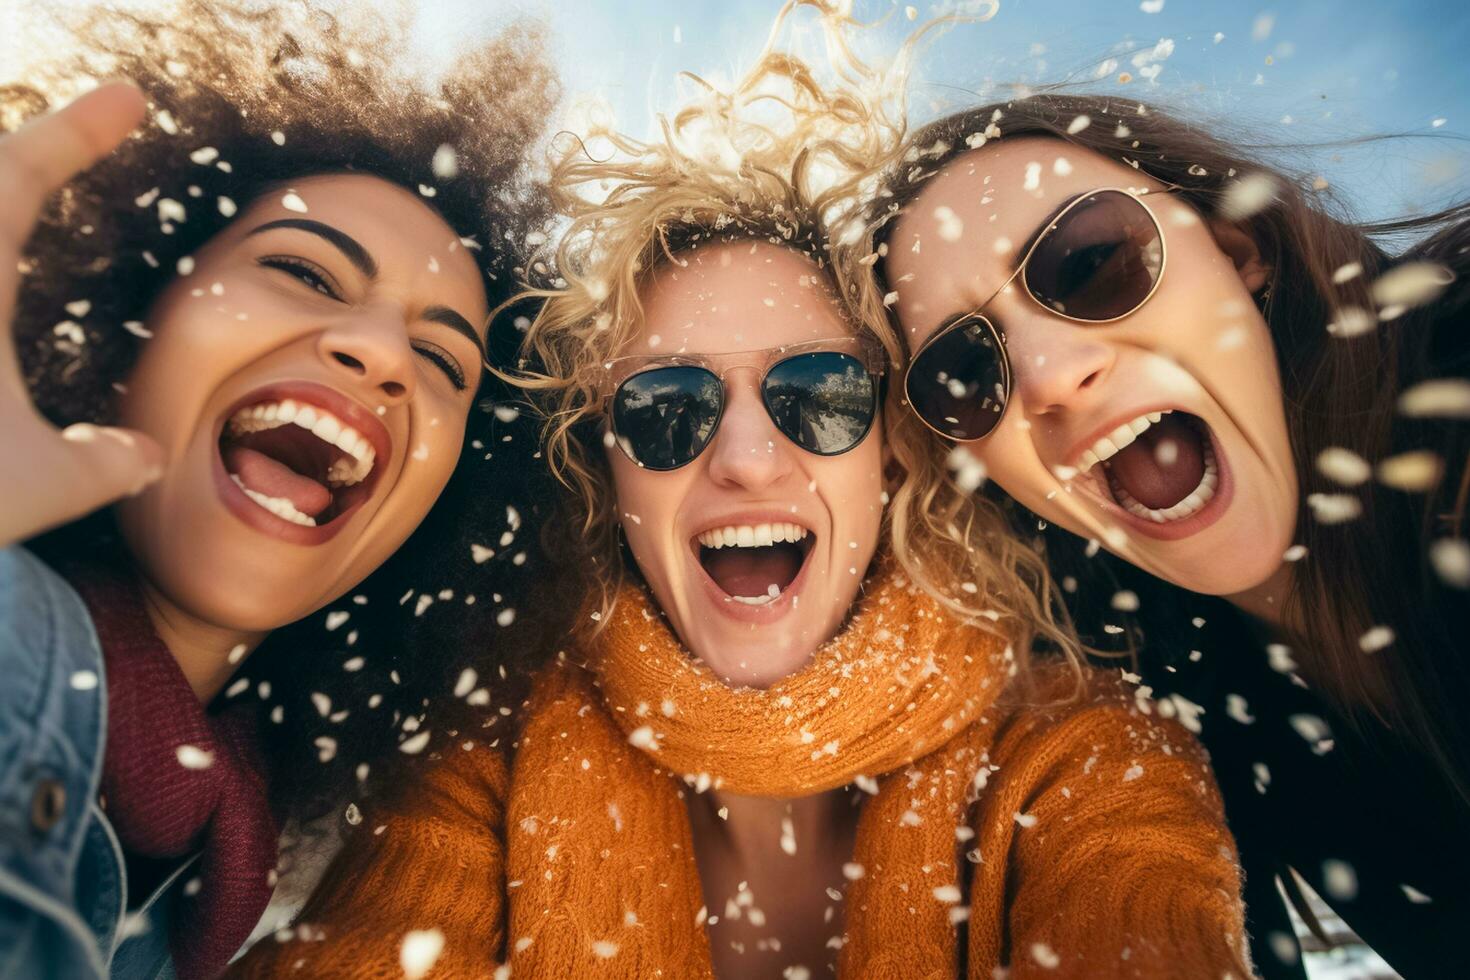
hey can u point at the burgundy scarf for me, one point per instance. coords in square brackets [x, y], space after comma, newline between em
[177, 779]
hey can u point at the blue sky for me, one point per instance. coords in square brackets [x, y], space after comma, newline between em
[1337, 68]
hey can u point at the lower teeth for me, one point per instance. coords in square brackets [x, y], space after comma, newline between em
[1193, 503]
[279, 506]
[773, 592]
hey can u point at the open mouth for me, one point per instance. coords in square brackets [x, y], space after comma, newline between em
[754, 564]
[300, 461]
[1160, 467]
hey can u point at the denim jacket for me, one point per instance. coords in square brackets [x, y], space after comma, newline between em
[63, 882]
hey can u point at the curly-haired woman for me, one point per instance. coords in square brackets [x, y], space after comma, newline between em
[256, 328]
[1153, 339]
[802, 736]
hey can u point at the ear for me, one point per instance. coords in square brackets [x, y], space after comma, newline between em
[1244, 252]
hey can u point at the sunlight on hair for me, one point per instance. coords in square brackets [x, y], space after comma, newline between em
[789, 154]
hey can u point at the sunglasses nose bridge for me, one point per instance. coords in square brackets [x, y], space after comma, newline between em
[748, 450]
[742, 394]
[754, 369]
[1056, 364]
[745, 413]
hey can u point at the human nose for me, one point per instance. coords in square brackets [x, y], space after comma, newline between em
[370, 349]
[748, 451]
[1055, 365]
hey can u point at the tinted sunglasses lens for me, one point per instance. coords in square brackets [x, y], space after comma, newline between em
[824, 401]
[958, 382]
[1100, 260]
[665, 417]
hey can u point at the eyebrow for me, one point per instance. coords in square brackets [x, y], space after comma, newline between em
[1025, 250]
[1051, 218]
[343, 242]
[368, 266]
[457, 323]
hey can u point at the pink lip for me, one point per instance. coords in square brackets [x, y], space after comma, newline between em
[364, 420]
[720, 599]
[1213, 510]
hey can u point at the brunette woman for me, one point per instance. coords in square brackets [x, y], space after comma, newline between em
[793, 742]
[256, 328]
[1173, 350]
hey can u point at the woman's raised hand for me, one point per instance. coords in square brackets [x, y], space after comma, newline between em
[49, 475]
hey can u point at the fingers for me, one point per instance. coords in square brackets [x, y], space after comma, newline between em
[105, 464]
[58, 480]
[44, 154]
[118, 462]
[70, 475]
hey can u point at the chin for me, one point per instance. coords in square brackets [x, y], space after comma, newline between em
[765, 664]
[216, 572]
[253, 604]
[1242, 564]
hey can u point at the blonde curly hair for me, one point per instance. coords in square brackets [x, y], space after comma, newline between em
[780, 157]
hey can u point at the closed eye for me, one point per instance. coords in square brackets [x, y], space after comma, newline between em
[444, 360]
[306, 272]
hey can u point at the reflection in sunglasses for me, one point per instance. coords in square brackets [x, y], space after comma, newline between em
[824, 401]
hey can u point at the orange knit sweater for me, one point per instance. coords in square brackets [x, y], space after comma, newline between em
[1093, 836]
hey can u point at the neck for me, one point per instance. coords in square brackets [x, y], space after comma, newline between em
[1267, 601]
[783, 859]
[754, 828]
[206, 653]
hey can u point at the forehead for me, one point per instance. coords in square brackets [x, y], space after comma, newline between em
[963, 234]
[737, 296]
[406, 237]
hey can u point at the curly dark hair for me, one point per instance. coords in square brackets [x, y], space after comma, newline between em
[243, 99]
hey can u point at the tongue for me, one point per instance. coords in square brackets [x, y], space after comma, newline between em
[265, 475]
[1163, 465]
[751, 572]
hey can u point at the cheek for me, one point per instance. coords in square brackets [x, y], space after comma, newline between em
[169, 388]
[435, 453]
[1011, 460]
[855, 489]
[629, 482]
[1204, 314]
[644, 502]
[198, 343]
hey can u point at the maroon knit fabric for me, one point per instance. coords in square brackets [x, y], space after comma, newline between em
[161, 808]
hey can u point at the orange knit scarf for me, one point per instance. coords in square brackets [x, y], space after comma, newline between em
[600, 864]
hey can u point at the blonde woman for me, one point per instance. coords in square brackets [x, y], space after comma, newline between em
[800, 735]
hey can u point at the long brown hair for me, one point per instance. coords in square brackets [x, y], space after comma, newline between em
[1340, 391]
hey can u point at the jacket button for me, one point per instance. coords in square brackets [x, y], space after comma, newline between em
[48, 805]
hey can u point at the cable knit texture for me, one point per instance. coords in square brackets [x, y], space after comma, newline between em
[1085, 839]
[163, 804]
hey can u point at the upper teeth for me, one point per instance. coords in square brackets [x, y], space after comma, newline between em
[751, 535]
[1109, 445]
[344, 472]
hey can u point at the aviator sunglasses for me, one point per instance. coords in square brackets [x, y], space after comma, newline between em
[822, 395]
[1098, 259]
